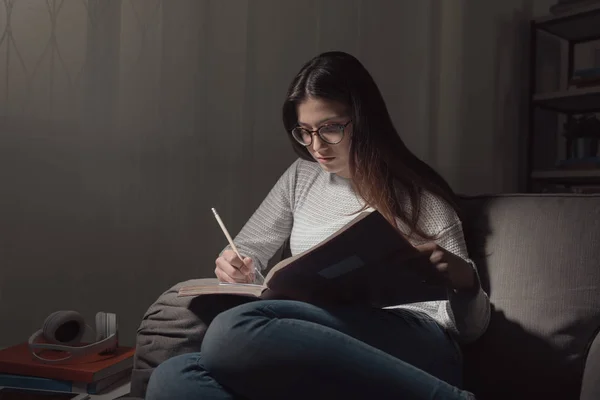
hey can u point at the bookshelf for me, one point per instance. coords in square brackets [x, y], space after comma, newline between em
[577, 164]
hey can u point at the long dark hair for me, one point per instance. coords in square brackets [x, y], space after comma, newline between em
[384, 172]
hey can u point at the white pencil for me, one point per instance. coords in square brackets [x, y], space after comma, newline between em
[230, 240]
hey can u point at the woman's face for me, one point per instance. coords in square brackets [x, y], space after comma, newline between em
[314, 113]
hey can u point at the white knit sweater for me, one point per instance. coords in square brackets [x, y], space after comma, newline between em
[308, 204]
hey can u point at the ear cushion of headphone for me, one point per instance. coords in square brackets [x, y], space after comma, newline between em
[113, 327]
[106, 325]
[64, 327]
[101, 326]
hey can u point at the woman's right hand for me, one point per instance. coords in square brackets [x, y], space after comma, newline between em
[229, 268]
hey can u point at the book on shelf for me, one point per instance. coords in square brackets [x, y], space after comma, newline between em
[585, 189]
[586, 77]
[58, 385]
[17, 360]
[368, 261]
[570, 188]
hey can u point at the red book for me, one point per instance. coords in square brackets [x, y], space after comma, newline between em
[18, 360]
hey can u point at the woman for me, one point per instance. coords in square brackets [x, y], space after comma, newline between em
[351, 158]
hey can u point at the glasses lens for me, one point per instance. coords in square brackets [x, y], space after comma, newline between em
[301, 136]
[332, 133]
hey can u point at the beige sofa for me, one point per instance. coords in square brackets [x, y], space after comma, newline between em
[539, 259]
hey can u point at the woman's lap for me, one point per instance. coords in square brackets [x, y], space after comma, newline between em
[265, 347]
[411, 337]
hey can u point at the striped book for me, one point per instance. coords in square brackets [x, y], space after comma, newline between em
[37, 383]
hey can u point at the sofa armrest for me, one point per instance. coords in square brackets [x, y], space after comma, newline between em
[590, 387]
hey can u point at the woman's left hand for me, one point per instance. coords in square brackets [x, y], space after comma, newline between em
[458, 273]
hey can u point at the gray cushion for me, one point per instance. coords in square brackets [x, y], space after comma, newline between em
[173, 326]
[539, 258]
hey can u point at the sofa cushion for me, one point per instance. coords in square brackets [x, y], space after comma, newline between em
[539, 259]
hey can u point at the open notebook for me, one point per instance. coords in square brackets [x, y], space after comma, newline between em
[368, 261]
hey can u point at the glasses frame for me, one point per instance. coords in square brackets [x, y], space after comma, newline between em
[318, 132]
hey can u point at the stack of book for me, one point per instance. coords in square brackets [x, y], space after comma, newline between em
[586, 77]
[90, 374]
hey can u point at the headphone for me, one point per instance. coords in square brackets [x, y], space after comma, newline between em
[63, 330]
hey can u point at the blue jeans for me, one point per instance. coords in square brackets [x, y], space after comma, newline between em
[282, 349]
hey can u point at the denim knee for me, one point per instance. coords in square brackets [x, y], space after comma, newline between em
[168, 380]
[231, 338]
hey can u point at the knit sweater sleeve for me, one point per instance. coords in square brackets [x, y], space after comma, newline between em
[271, 224]
[468, 310]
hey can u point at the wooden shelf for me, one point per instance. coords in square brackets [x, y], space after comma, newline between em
[571, 101]
[577, 26]
[574, 176]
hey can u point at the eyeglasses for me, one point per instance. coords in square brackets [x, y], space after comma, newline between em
[330, 133]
